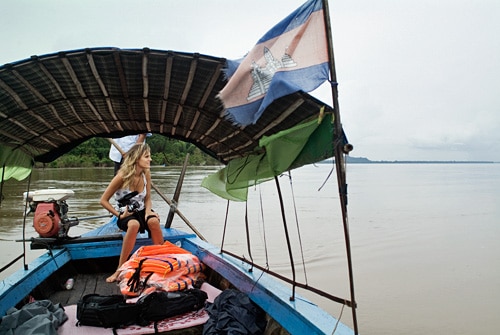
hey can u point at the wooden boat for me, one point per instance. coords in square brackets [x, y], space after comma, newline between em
[90, 258]
[50, 104]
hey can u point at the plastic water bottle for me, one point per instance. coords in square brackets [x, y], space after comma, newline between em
[69, 283]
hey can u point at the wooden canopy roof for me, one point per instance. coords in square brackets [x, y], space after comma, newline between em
[50, 104]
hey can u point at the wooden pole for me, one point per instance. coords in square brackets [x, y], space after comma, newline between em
[169, 202]
[339, 159]
[164, 197]
[177, 193]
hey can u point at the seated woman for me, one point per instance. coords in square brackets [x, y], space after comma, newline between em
[133, 176]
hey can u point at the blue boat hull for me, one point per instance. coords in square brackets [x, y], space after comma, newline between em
[299, 316]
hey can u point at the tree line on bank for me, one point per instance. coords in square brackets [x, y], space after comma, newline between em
[164, 151]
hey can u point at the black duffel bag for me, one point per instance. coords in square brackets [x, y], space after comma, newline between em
[160, 305]
[109, 311]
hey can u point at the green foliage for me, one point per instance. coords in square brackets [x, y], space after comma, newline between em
[164, 151]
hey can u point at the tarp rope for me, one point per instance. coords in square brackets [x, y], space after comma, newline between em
[263, 228]
[248, 237]
[26, 204]
[225, 226]
[327, 177]
[298, 227]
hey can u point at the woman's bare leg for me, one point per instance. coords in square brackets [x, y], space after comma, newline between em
[127, 247]
[155, 229]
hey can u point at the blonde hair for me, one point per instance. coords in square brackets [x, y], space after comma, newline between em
[128, 166]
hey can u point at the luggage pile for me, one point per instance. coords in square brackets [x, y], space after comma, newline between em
[165, 267]
[162, 276]
[113, 311]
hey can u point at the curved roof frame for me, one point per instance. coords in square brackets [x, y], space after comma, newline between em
[52, 103]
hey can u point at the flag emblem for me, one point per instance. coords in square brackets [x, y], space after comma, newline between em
[291, 57]
[262, 76]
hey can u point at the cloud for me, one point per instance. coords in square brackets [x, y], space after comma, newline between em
[417, 79]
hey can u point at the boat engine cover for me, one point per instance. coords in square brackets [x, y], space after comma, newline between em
[47, 219]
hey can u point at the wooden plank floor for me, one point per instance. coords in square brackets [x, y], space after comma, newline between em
[85, 284]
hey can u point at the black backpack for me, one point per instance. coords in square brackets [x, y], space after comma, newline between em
[234, 313]
[160, 305]
[110, 311]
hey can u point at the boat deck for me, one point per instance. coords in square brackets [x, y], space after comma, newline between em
[85, 284]
[89, 260]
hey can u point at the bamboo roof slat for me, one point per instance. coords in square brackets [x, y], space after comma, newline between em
[51, 103]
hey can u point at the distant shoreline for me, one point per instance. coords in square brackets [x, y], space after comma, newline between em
[364, 160]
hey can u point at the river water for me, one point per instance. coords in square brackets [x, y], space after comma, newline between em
[424, 237]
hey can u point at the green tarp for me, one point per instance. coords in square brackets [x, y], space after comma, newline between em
[14, 164]
[306, 143]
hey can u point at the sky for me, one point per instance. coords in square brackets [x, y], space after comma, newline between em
[418, 79]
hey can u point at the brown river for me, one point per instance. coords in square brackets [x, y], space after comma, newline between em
[424, 237]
